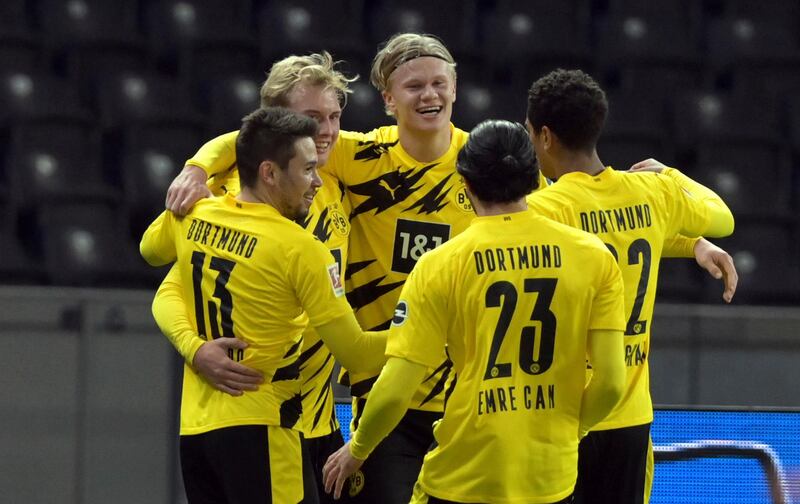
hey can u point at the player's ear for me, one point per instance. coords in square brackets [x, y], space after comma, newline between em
[268, 172]
[388, 102]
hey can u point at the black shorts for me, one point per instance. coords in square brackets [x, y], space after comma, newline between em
[389, 474]
[435, 500]
[318, 450]
[612, 465]
[248, 464]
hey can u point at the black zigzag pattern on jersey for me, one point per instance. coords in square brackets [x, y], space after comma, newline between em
[387, 190]
[438, 387]
[355, 267]
[308, 353]
[292, 370]
[341, 191]
[323, 228]
[370, 292]
[362, 387]
[290, 411]
[432, 202]
[321, 399]
[372, 150]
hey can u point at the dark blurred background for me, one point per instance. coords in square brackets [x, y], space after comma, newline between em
[101, 102]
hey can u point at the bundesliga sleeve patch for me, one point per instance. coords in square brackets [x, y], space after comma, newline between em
[400, 313]
[336, 280]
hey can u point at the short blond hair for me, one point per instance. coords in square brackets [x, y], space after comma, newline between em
[316, 69]
[404, 47]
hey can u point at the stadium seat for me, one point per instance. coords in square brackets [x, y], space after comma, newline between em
[700, 115]
[453, 21]
[638, 52]
[35, 95]
[301, 26]
[87, 38]
[521, 41]
[123, 98]
[477, 102]
[753, 179]
[151, 158]
[679, 281]
[755, 57]
[228, 99]
[765, 252]
[199, 38]
[773, 12]
[16, 265]
[20, 53]
[635, 130]
[86, 243]
[55, 158]
[364, 109]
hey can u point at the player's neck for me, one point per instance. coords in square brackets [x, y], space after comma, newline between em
[489, 209]
[424, 146]
[575, 161]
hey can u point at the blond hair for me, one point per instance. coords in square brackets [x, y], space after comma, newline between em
[404, 47]
[316, 69]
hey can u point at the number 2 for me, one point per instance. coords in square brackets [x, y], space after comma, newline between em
[638, 248]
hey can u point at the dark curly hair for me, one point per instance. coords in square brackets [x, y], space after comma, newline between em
[269, 133]
[571, 104]
[498, 162]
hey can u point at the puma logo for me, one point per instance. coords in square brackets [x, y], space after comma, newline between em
[386, 186]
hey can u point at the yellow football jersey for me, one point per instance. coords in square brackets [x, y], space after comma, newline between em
[328, 220]
[400, 209]
[248, 272]
[633, 214]
[512, 299]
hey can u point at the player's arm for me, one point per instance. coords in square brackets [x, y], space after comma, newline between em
[388, 402]
[606, 355]
[190, 185]
[355, 349]
[157, 246]
[720, 217]
[209, 358]
[604, 345]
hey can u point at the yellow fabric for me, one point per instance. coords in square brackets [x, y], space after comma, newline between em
[169, 312]
[679, 246]
[217, 158]
[285, 465]
[393, 391]
[400, 209]
[328, 220]
[512, 299]
[632, 213]
[604, 352]
[248, 272]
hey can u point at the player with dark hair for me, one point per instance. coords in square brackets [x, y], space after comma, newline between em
[517, 301]
[634, 214]
[313, 86]
[255, 275]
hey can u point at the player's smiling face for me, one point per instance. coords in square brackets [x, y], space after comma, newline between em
[321, 104]
[421, 94]
[298, 182]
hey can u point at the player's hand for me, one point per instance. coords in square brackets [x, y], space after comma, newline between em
[719, 265]
[188, 187]
[339, 466]
[213, 362]
[650, 164]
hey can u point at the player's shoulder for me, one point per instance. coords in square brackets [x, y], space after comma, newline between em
[460, 136]
[383, 134]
